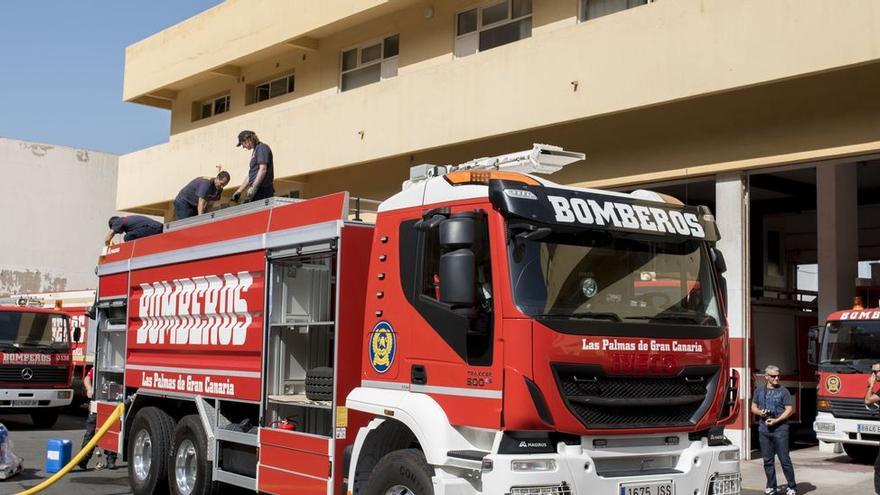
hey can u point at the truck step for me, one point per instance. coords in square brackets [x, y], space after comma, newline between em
[468, 455]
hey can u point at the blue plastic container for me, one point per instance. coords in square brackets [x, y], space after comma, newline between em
[57, 454]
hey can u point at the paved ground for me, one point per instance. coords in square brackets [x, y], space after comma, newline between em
[817, 473]
[30, 444]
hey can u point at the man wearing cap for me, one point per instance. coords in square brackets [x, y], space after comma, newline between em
[198, 196]
[133, 226]
[261, 174]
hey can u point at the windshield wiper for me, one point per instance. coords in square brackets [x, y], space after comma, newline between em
[846, 363]
[589, 315]
[675, 317]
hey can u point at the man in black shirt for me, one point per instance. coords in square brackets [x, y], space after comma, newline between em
[133, 226]
[261, 171]
[199, 194]
[871, 400]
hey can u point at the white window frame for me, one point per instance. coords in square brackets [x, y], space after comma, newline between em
[480, 28]
[213, 103]
[582, 10]
[287, 77]
[388, 65]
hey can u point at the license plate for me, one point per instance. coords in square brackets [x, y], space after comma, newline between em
[868, 428]
[647, 488]
[24, 403]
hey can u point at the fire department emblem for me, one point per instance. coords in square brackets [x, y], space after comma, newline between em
[383, 345]
[832, 384]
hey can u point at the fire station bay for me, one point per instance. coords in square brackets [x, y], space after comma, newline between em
[766, 112]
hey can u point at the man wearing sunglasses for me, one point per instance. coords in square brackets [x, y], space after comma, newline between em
[872, 398]
[773, 405]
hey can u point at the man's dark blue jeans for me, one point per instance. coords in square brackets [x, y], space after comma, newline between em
[775, 443]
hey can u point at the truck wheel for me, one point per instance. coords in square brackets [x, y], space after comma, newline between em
[319, 383]
[189, 472]
[863, 454]
[148, 442]
[401, 472]
[45, 419]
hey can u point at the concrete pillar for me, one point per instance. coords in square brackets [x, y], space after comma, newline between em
[731, 213]
[838, 236]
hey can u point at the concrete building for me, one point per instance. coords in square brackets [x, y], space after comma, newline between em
[765, 111]
[54, 215]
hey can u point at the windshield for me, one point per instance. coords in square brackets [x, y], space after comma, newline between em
[849, 341]
[599, 275]
[22, 329]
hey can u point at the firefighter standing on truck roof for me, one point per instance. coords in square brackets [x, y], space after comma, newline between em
[199, 194]
[133, 226]
[261, 174]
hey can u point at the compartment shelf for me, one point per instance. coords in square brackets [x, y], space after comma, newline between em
[237, 437]
[300, 400]
[115, 327]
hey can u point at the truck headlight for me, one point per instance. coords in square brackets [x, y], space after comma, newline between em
[728, 455]
[64, 394]
[533, 465]
[824, 427]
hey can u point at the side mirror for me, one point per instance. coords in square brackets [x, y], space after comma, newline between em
[77, 334]
[813, 346]
[718, 260]
[458, 231]
[457, 278]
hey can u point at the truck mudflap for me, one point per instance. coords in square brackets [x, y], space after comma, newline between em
[694, 467]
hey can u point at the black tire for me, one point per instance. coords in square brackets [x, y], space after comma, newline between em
[863, 454]
[46, 418]
[149, 478]
[190, 434]
[406, 468]
[319, 383]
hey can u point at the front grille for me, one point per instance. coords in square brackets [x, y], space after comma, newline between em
[601, 401]
[851, 408]
[561, 489]
[42, 374]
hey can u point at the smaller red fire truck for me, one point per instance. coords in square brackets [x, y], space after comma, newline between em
[35, 363]
[845, 349]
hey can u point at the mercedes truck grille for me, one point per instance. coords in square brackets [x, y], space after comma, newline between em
[33, 374]
[602, 401]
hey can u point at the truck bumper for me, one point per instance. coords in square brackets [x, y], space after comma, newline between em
[692, 467]
[34, 398]
[842, 430]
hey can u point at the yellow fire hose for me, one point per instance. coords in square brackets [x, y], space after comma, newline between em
[82, 453]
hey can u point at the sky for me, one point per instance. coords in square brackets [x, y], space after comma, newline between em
[62, 69]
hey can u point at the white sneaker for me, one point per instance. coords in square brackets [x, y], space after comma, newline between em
[769, 491]
[790, 491]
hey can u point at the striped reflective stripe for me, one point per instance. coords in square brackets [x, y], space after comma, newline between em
[434, 389]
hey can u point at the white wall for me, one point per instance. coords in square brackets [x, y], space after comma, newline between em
[54, 207]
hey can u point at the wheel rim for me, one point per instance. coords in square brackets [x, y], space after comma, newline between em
[185, 469]
[142, 457]
[399, 490]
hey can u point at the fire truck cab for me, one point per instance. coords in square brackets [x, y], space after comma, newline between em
[492, 333]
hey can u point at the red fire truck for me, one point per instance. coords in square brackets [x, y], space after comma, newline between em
[847, 346]
[492, 332]
[35, 363]
[75, 303]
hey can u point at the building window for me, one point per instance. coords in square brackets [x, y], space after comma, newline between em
[492, 24]
[369, 63]
[213, 106]
[276, 87]
[591, 9]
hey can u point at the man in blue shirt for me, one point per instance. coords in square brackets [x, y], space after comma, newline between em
[199, 195]
[133, 226]
[773, 406]
[261, 171]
